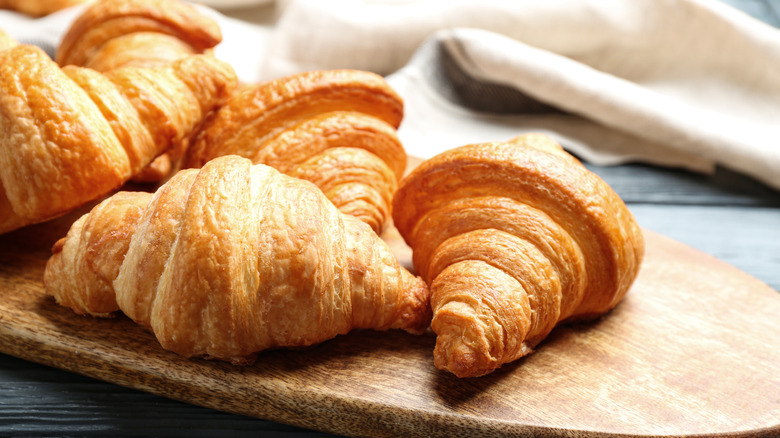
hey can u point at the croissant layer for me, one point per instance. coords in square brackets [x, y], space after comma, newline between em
[115, 33]
[336, 128]
[112, 34]
[232, 259]
[74, 134]
[513, 238]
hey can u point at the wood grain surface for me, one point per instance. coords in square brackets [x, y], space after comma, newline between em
[692, 350]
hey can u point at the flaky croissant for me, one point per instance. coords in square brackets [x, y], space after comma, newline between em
[513, 238]
[39, 8]
[72, 135]
[335, 128]
[233, 259]
[111, 34]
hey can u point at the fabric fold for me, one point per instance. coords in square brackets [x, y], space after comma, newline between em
[447, 105]
[687, 83]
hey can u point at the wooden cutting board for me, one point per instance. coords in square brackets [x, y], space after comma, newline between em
[693, 349]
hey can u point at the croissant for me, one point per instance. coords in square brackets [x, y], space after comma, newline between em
[513, 238]
[72, 135]
[111, 34]
[232, 259]
[335, 128]
[39, 8]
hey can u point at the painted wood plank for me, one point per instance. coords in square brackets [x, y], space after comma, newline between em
[641, 184]
[748, 238]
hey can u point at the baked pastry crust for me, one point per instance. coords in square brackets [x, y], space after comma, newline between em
[111, 34]
[336, 128]
[513, 238]
[74, 134]
[232, 259]
[143, 33]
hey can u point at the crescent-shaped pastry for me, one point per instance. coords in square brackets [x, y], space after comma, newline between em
[336, 128]
[513, 238]
[72, 135]
[232, 259]
[110, 34]
[141, 33]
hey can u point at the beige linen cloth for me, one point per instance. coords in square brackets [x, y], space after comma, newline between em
[688, 83]
[684, 83]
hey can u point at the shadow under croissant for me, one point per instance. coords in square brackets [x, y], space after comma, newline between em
[455, 391]
[38, 238]
[329, 356]
[41, 236]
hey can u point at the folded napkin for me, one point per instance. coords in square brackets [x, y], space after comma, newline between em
[685, 83]
[688, 83]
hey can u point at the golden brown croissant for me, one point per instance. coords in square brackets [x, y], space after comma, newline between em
[39, 8]
[335, 128]
[141, 33]
[71, 135]
[513, 238]
[232, 259]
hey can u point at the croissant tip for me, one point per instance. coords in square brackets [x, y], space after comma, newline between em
[461, 361]
[58, 245]
[462, 348]
[416, 317]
